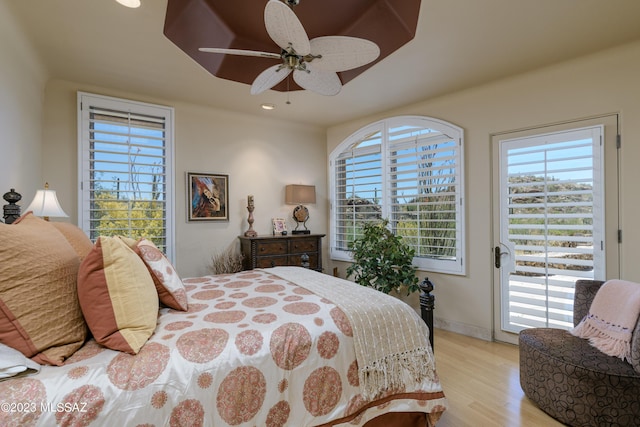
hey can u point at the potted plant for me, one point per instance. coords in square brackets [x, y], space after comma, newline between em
[382, 260]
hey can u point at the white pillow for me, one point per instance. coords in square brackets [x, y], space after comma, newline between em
[13, 362]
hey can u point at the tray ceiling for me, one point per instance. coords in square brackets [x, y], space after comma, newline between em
[191, 24]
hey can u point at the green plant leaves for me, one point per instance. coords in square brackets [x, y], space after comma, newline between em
[381, 260]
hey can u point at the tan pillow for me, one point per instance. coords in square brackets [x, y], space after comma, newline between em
[39, 311]
[117, 296]
[168, 284]
[76, 238]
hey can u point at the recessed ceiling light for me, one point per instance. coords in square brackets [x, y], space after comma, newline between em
[129, 3]
[268, 107]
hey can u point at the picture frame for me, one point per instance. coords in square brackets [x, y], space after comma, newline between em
[279, 226]
[207, 197]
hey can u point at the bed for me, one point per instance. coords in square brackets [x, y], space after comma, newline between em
[285, 346]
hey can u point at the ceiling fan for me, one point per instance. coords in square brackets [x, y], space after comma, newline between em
[314, 63]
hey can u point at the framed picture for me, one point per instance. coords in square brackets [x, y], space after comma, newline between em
[279, 226]
[208, 197]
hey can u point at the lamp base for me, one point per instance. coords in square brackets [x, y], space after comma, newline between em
[301, 232]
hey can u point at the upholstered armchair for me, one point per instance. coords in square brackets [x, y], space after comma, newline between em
[575, 382]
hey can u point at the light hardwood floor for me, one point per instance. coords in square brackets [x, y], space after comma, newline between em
[482, 384]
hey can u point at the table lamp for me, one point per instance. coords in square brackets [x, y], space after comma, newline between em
[296, 194]
[45, 204]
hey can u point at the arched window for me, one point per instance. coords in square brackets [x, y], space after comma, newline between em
[408, 169]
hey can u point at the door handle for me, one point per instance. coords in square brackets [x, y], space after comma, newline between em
[497, 255]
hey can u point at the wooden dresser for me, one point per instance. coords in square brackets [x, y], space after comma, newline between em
[271, 251]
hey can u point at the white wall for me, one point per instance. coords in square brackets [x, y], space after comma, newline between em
[598, 84]
[260, 156]
[22, 81]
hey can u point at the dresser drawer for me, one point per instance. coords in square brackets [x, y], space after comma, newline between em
[272, 261]
[271, 248]
[297, 260]
[303, 245]
[273, 251]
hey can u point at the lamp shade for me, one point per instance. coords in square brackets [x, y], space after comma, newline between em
[296, 194]
[45, 204]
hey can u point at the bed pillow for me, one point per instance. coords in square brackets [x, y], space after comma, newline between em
[15, 364]
[117, 296]
[76, 238]
[168, 284]
[39, 311]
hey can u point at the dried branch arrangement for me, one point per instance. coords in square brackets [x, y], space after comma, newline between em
[227, 261]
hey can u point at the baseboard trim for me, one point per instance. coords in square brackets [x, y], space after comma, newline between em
[463, 329]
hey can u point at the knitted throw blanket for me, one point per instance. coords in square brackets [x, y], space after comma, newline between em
[612, 318]
[391, 340]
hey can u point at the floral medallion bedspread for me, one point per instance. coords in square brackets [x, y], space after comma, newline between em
[252, 350]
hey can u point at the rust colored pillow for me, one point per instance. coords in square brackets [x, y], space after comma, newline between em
[39, 311]
[78, 240]
[117, 296]
[168, 284]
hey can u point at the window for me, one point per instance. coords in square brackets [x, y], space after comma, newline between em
[408, 169]
[126, 169]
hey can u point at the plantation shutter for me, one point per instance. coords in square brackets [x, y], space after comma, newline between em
[358, 190]
[554, 229]
[425, 195]
[409, 170]
[126, 170]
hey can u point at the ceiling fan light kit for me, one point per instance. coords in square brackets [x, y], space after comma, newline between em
[130, 3]
[321, 64]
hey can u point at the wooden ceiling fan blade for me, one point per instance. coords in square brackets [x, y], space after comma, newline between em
[269, 78]
[284, 27]
[341, 53]
[241, 52]
[323, 82]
